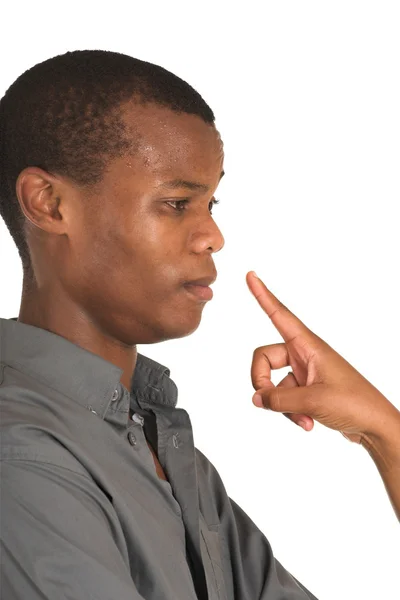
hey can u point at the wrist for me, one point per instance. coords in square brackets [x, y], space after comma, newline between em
[383, 441]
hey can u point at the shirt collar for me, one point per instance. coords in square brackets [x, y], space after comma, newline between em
[83, 376]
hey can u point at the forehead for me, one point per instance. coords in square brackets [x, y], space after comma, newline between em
[168, 142]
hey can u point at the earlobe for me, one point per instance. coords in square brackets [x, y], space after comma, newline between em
[37, 197]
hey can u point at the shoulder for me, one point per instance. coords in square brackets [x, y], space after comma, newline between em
[31, 426]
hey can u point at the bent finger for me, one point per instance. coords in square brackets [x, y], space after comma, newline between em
[265, 360]
[304, 421]
[299, 400]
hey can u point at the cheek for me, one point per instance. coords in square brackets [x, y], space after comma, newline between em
[132, 285]
[137, 261]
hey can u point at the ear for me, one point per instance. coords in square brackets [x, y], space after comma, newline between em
[39, 195]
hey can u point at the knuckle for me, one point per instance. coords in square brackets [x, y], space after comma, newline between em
[280, 307]
[257, 351]
[274, 400]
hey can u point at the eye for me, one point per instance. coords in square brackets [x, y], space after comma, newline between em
[181, 203]
[213, 202]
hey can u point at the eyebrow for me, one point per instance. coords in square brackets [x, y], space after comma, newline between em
[193, 186]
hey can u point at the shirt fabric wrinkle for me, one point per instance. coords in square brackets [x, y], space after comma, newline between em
[73, 461]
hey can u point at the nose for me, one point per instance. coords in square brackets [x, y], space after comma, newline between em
[207, 236]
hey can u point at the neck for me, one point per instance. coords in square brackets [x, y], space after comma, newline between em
[59, 314]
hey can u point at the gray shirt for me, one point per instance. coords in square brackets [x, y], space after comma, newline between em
[84, 514]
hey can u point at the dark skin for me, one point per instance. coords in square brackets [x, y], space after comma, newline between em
[110, 261]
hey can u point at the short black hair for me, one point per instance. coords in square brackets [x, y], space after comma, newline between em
[64, 115]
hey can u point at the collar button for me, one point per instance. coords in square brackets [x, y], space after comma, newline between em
[138, 419]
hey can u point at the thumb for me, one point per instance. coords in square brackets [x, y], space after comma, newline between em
[292, 400]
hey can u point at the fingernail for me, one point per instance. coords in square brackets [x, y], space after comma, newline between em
[257, 400]
[255, 274]
[302, 424]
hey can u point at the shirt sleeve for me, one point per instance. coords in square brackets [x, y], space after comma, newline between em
[59, 539]
[246, 553]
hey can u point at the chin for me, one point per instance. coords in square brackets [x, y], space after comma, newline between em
[176, 328]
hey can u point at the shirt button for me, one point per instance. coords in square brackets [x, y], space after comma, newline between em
[132, 439]
[115, 395]
[138, 419]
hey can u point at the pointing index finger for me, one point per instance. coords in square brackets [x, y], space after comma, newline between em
[288, 325]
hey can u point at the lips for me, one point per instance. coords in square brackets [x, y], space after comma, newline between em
[201, 292]
[203, 281]
[199, 287]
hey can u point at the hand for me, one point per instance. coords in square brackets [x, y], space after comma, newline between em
[323, 385]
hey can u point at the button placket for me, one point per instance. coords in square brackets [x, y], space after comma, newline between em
[137, 422]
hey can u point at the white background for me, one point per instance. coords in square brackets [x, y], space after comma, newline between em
[306, 96]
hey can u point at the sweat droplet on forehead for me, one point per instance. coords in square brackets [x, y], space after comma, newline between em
[172, 145]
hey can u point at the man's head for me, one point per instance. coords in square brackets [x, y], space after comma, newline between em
[99, 154]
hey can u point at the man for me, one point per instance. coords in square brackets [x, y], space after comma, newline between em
[109, 169]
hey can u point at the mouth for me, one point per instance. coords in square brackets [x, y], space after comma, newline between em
[202, 292]
[203, 281]
[200, 289]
